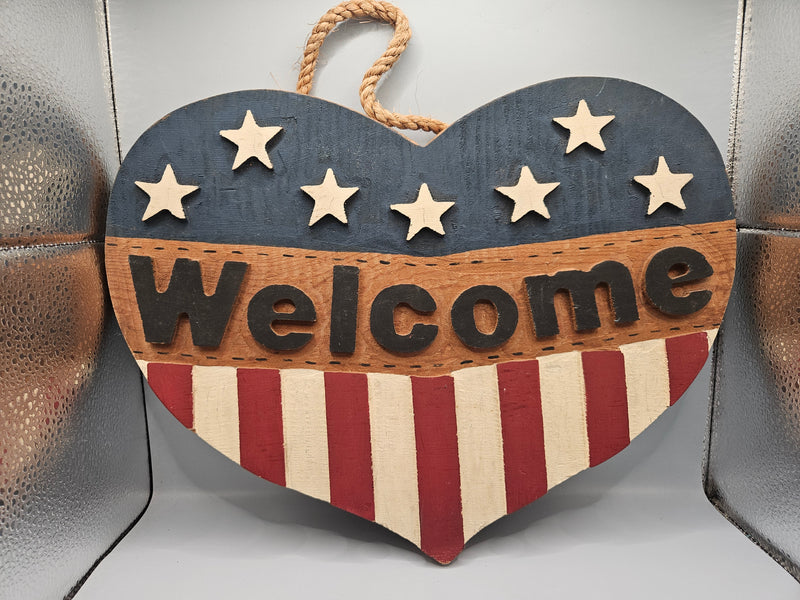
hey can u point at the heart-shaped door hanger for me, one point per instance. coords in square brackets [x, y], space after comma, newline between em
[429, 337]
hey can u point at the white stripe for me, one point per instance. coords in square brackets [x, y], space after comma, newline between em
[305, 432]
[647, 380]
[216, 408]
[563, 393]
[394, 454]
[480, 447]
[712, 335]
[143, 366]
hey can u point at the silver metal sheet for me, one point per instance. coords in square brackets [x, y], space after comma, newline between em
[74, 464]
[752, 471]
[753, 463]
[74, 449]
[765, 144]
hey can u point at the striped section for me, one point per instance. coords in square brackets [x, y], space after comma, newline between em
[173, 386]
[349, 452]
[216, 408]
[480, 447]
[394, 454]
[711, 334]
[686, 356]
[434, 459]
[647, 381]
[566, 445]
[261, 423]
[305, 432]
[606, 404]
[438, 475]
[523, 433]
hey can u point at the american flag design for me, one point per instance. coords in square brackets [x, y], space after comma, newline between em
[493, 375]
[434, 459]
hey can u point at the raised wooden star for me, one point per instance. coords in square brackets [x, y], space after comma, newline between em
[528, 195]
[664, 185]
[252, 141]
[165, 194]
[329, 198]
[423, 212]
[584, 127]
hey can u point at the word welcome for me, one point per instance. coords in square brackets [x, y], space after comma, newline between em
[209, 315]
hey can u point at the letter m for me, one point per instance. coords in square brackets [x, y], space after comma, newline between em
[581, 286]
[160, 311]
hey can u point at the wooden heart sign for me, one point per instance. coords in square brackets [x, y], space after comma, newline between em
[429, 337]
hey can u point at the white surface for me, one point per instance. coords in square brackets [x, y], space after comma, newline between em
[637, 526]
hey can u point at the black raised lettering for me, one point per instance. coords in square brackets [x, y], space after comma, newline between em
[344, 309]
[381, 318]
[659, 283]
[262, 315]
[581, 286]
[462, 316]
[160, 312]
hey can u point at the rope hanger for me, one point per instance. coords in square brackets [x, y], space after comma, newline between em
[380, 11]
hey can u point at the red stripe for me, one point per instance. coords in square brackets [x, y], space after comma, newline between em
[523, 432]
[173, 386]
[441, 522]
[686, 355]
[349, 448]
[261, 423]
[606, 404]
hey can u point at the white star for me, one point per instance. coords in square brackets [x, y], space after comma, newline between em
[251, 140]
[584, 127]
[423, 212]
[664, 185]
[528, 195]
[166, 194]
[329, 198]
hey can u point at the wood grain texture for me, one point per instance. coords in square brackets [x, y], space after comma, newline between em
[394, 454]
[216, 409]
[251, 141]
[647, 382]
[444, 278]
[165, 194]
[305, 432]
[464, 164]
[432, 337]
[584, 127]
[563, 393]
[480, 447]
[436, 450]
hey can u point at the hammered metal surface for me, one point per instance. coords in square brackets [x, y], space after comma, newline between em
[754, 445]
[766, 144]
[73, 449]
[52, 189]
[753, 464]
[74, 453]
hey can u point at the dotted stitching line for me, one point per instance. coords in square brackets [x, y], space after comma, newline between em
[507, 355]
[464, 362]
[453, 264]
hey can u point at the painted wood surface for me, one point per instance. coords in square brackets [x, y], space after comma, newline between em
[427, 337]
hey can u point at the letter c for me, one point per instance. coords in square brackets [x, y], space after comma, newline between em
[381, 318]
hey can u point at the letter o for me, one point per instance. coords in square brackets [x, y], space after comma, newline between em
[462, 316]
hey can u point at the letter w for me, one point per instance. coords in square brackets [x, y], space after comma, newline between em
[160, 311]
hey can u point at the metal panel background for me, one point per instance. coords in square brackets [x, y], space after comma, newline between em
[753, 463]
[636, 526]
[74, 465]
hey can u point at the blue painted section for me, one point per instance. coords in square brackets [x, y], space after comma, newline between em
[483, 150]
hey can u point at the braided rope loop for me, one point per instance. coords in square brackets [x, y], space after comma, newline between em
[366, 9]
